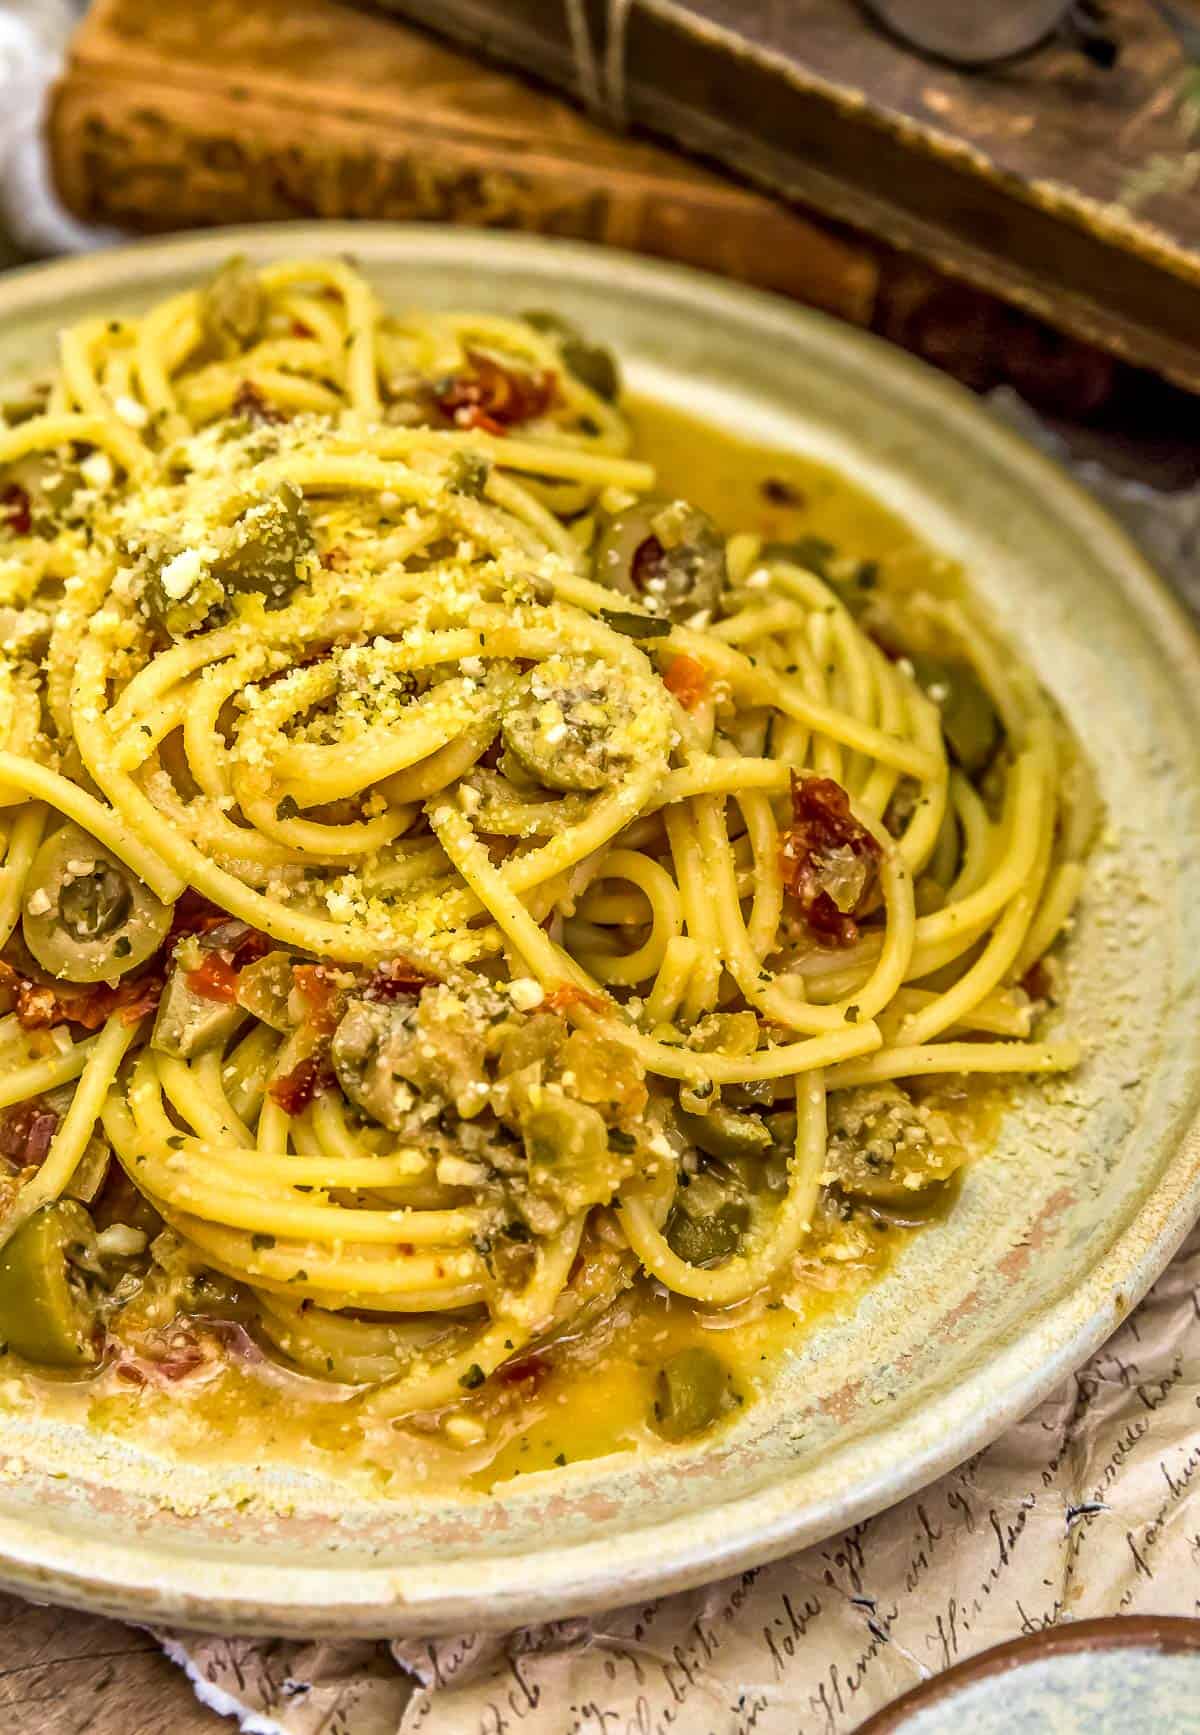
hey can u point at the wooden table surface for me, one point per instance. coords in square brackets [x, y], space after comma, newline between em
[63, 1673]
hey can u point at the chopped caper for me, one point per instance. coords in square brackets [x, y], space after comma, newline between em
[689, 1393]
[566, 724]
[233, 308]
[725, 1134]
[667, 553]
[87, 918]
[267, 547]
[969, 720]
[591, 363]
[45, 1311]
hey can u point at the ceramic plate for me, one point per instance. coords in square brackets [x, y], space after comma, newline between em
[1093, 1182]
[1127, 1675]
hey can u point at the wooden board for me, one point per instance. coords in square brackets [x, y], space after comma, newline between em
[62, 1673]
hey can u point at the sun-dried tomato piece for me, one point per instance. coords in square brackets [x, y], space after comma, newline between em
[248, 401]
[493, 397]
[319, 990]
[229, 946]
[215, 979]
[26, 1131]
[309, 1079]
[829, 861]
[687, 679]
[39, 1006]
[15, 509]
[194, 914]
[527, 1371]
[398, 979]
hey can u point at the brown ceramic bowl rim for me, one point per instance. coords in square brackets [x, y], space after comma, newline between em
[1170, 1634]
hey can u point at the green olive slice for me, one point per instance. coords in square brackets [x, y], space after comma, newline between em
[86, 916]
[969, 720]
[668, 554]
[46, 1314]
[268, 547]
[567, 724]
[689, 1393]
[725, 1134]
[591, 363]
[233, 308]
[709, 1239]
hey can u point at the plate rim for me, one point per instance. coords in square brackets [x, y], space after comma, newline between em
[758, 1527]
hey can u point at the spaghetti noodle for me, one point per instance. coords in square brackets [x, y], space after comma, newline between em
[455, 882]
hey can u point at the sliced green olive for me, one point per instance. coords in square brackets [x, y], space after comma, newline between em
[591, 363]
[188, 1023]
[689, 1394]
[50, 482]
[709, 1239]
[264, 988]
[86, 917]
[670, 555]
[969, 720]
[725, 1134]
[24, 403]
[268, 547]
[233, 308]
[45, 1311]
[883, 1147]
[567, 724]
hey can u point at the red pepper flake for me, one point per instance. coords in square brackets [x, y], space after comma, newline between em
[336, 559]
[319, 992]
[215, 979]
[687, 680]
[399, 979]
[26, 1131]
[828, 860]
[309, 1079]
[559, 999]
[493, 397]
[299, 329]
[248, 401]
[14, 506]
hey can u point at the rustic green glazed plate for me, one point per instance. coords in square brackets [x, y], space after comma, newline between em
[1093, 1183]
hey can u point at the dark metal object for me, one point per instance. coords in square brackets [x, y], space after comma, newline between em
[981, 33]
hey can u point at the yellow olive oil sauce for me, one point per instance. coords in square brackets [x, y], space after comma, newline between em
[590, 1395]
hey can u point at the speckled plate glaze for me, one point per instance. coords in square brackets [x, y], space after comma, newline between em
[1094, 1180]
[1128, 1675]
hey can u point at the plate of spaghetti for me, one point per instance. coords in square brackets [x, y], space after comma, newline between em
[593, 928]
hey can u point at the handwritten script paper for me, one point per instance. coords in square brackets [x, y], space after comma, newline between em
[1089, 1506]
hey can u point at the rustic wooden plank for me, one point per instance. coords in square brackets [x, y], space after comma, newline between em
[63, 1673]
